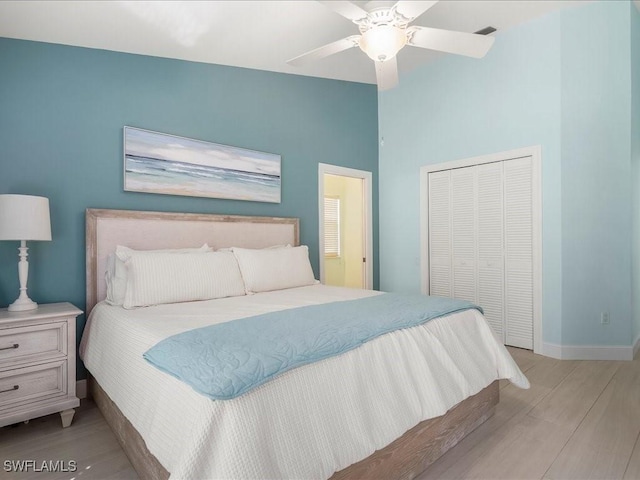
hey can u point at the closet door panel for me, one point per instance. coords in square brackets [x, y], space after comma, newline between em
[518, 190]
[491, 244]
[481, 243]
[440, 281]
[463, 233]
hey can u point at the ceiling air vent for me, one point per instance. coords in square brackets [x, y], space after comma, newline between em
[486, 31]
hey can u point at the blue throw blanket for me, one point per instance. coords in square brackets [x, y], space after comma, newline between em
[226, 360]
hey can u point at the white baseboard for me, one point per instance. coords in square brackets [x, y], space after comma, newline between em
[552, 350]
[636, 347]
[81, 389]
[589, 352]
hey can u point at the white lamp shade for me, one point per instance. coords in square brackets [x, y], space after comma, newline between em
[382, 43]
[24, 217]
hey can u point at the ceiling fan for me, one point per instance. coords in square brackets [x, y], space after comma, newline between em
[384, 31]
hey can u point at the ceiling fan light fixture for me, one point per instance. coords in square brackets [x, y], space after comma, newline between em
[383, 42]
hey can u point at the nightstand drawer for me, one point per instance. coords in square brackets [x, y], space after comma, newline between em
[30, 384]
[38, 363]
[33, 343]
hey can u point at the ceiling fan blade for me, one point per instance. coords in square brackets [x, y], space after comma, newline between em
[325, 51]
[460, 43]
[413, 10]
[348, 10]
[387, 74]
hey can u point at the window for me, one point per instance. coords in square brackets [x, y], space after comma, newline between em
[331, 226]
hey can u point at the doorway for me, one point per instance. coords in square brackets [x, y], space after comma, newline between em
[345, 227]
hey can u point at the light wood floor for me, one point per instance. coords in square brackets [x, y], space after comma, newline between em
[89, 441]
[580, 420]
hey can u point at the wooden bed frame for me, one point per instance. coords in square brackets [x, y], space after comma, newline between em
[405, 458]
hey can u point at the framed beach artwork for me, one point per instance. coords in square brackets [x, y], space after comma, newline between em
[171, 165]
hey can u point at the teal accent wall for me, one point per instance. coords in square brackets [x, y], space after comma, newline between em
[550, 82]
[459, 108]
[596, 174]
[62, 110]
[635, 167]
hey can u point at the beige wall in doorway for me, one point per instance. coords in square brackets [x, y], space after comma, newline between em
[347, 270]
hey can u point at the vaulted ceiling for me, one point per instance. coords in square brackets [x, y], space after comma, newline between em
[253, 34]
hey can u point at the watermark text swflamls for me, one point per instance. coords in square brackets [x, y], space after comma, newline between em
[52, 466]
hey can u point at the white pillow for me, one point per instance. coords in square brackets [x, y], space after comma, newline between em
[275, 268]
[230, 249]
[158, 278]
[116, 272]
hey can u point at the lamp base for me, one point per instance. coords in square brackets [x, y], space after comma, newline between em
[23, 305]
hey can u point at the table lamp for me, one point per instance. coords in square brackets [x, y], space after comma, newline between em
[24, 217]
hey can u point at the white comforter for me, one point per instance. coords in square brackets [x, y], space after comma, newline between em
[307, 423]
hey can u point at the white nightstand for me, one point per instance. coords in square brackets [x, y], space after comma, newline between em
[38, 363]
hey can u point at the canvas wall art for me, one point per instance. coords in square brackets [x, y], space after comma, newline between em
[167, 164]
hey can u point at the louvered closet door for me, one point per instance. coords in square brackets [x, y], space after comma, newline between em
[463, 233]
[440, 234]
[491, 244]
[518, 189]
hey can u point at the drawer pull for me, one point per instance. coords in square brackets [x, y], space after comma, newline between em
[15, 387]
[15, 345]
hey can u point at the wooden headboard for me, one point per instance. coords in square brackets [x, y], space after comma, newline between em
[105, 229]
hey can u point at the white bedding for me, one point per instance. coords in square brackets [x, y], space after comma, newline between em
[307, 423]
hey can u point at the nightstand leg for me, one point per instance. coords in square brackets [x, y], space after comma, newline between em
[67, 417]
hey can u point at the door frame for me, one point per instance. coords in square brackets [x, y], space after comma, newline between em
[367, 177]
[535, 152]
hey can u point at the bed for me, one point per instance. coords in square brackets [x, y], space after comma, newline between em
[387, 409]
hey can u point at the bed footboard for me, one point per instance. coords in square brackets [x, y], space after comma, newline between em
[147, 466]
[405, 458]
[412, 453]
